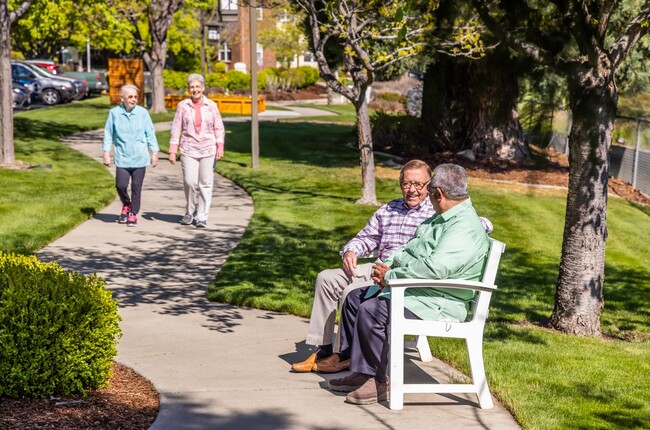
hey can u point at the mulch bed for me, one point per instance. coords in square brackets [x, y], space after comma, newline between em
[130, 402]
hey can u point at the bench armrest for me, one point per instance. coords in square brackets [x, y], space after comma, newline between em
[441, 283]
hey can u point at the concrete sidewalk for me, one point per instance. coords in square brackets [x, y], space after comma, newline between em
[219, 366]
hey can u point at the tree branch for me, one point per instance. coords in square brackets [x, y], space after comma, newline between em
[527, 49]
[19, 11]
[635, 29]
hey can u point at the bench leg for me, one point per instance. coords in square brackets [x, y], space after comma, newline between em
[475, 352]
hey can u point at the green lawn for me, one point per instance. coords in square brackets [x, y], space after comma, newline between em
[304, 193]
[40, 204]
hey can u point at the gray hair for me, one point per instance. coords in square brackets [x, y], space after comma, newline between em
[127, 87]
[451, 179]
[414, 165]
[195, 77]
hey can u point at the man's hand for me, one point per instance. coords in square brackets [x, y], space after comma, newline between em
[379, 270]
[350, 264]
[106, 159]
[154, 159]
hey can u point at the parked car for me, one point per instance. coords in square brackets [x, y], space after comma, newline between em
[50, 65]
[54, 89]
[95, 81]
[54, 69]
[31, 85]
[21, 97]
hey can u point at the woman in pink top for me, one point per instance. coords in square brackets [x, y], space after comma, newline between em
[198, 130]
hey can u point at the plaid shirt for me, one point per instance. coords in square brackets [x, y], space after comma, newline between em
[389, 228]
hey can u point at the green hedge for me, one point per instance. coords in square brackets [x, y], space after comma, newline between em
[233, 80]
[58, 329]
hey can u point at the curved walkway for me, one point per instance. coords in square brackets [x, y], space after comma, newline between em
[219, 366]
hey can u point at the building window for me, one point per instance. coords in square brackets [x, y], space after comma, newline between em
[284, 17]
[308, 57]
[228, 5]
[260, 54]
[225, 53]
[260, 13]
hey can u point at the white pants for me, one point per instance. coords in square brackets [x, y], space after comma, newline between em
[198, 178]
[328, 291]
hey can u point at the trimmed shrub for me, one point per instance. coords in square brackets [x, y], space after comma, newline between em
[391, 97]
[398, 134]
[175, 80]
[58, 329]
[267, 79]
[216, 82]
[309, 75]
[236, 80]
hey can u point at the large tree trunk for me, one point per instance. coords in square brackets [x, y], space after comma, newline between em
[364, 135]
[436, 115]
[472, 104]
[579, 292]
[491, 116]
[157, 85]
[6, 98]
[157, 64]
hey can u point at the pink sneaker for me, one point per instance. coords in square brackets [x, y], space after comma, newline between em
[124, 214]
[132, 220]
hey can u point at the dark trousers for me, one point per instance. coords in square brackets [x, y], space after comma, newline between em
[364, 333]
[122, 177]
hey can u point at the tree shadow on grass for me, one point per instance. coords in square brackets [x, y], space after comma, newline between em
[151, 269]
[526, 287]
[276, 262]
[321, 145]
[30, 129]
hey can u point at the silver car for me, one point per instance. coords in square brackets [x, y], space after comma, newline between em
[21, 97]
[54, 89]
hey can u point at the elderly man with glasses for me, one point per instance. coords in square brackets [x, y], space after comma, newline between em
[451, 245]
[390, 226]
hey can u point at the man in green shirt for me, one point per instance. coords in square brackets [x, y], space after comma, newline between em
[450, 245]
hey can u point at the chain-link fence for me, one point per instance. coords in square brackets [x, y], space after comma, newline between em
[629, 157]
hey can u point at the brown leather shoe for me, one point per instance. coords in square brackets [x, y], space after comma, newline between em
[305, 366]
[369, 393]
[349, 383]
[332, 364]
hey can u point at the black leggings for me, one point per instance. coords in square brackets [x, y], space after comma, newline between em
[122, 178]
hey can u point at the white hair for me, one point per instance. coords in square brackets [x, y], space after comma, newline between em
[128, 87]
[195, 77]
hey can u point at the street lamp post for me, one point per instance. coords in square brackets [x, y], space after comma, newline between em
[255, 144]
[213, 36]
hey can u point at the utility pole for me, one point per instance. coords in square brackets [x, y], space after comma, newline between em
[87, 55]
[255, 143]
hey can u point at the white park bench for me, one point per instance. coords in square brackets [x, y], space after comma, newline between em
[471, 330]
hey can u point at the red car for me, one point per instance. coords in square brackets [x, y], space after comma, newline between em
[51, 66]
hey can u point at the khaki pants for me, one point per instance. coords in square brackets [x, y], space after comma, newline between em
[198, 178]
[328, 290]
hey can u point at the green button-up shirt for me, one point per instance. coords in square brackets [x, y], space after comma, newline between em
[451, 245]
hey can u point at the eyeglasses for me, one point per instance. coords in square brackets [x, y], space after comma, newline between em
[418, 185]
[131, 97]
